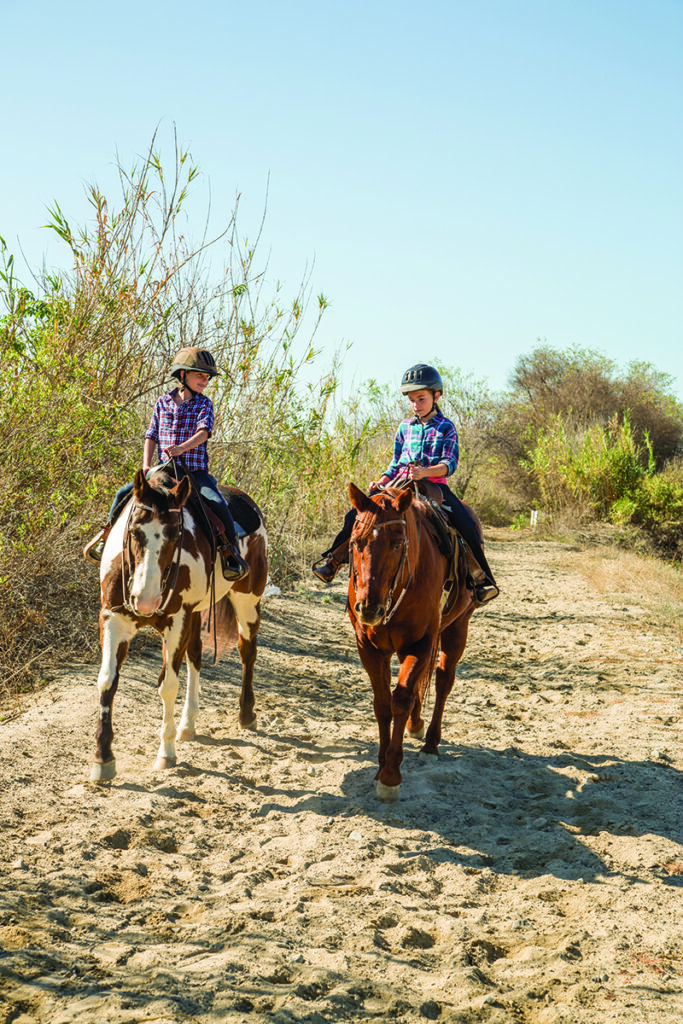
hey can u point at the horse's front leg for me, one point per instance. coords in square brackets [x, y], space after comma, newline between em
[247, 609]
[175, 645]
[414, 664]
[116, 632]
[377, 664]
[193, 660]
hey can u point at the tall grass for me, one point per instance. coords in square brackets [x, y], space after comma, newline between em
[85, 354]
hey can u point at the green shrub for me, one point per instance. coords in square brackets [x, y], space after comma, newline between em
[591, 470]
[657, 507]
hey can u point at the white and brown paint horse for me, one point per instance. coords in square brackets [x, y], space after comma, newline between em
[156, 571]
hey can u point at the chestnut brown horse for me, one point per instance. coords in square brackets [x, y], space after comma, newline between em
[398, 605]
[156, 570]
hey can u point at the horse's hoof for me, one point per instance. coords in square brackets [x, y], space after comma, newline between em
[103, 772]
[248, 724]
[162, 763]
[425, 756]
[387, 794]
[419, 734]
[186, 734]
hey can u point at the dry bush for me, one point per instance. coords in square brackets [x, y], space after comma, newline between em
[627, 576]
[49, 602]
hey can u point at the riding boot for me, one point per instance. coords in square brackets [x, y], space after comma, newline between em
[327, 567]
[233, 565]
[94, 549]
[484, 593]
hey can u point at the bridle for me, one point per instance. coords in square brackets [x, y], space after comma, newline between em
[389, 610]
[173, 566]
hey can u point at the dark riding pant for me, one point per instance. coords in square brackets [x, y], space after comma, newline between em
[462, 519]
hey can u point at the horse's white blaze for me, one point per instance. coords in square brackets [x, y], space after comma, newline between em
[145, 590]
[116, 630]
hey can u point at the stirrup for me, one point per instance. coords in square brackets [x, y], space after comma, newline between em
[326, 568]
[232, 564]
[94, 549]
[485, 593]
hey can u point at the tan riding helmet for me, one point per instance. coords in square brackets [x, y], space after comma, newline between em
[193, 358]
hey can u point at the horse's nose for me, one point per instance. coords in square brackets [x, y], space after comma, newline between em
[145, 605]
[369, 614]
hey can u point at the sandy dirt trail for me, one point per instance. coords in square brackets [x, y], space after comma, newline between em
[533, 875]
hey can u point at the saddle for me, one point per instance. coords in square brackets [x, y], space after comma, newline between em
[452, 544]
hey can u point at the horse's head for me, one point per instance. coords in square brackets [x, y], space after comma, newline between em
[152, 541]
[379, 551]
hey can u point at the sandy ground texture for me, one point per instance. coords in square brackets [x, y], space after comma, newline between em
[533, 875]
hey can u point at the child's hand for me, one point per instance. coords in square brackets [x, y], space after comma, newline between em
[173, 449]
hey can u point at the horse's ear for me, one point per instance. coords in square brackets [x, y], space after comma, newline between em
[359, 499]
[403, 500]
[181, 491]
[140, 486]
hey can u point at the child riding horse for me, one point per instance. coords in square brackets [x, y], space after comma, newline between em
[181, 424]
[425, 448]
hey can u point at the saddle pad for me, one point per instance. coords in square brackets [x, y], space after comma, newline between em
[215, 520]
[242, 510]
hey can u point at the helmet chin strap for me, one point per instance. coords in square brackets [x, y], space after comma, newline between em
[184, 385]
[423, 419]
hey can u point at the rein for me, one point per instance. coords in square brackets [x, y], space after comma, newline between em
[174, 564]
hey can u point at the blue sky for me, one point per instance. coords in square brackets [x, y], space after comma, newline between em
[465, 178]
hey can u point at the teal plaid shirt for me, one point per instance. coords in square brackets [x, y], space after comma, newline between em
[426, 444]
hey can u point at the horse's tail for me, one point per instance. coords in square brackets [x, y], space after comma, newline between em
[429, 671]
[224, 622]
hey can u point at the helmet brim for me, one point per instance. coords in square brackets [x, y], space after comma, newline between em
[407, 388]
[177, 367]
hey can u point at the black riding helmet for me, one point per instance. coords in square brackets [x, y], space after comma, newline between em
[193, 358]
[421, 377]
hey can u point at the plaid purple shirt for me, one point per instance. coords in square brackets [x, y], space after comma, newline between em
[174, 424]
[427, 444]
